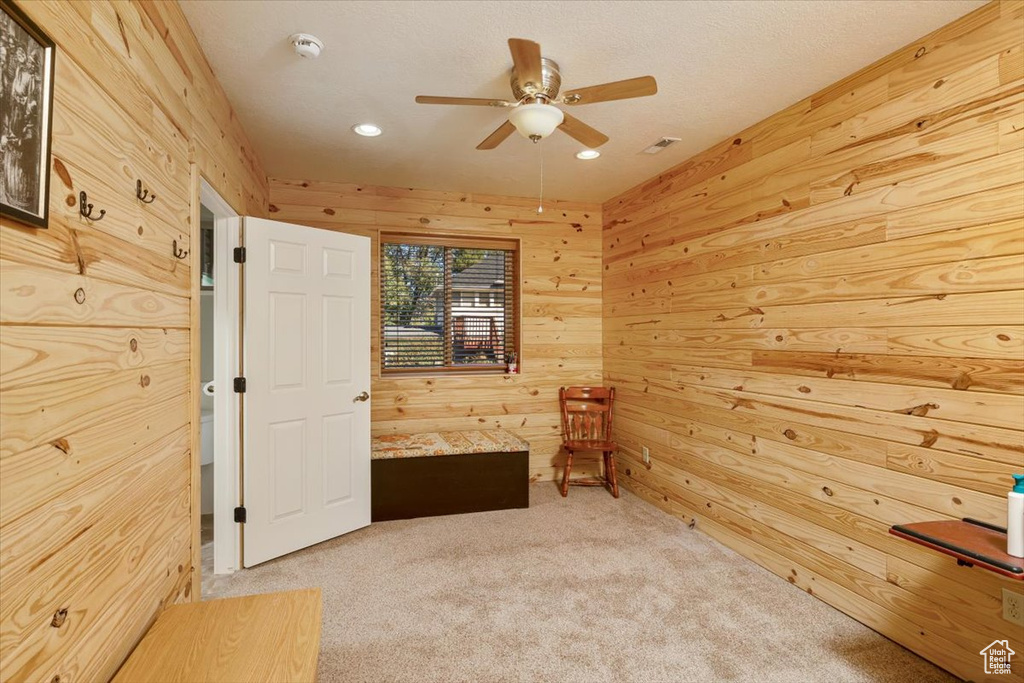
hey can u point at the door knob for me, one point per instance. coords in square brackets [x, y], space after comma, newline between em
[362, 397]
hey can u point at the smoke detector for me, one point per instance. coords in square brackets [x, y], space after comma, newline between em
[306, 46]
[660, 145]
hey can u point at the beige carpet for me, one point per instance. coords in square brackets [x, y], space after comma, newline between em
[587, 588]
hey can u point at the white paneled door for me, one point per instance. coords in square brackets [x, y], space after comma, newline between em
[306, 456]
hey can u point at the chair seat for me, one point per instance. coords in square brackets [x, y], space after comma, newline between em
[590, 445]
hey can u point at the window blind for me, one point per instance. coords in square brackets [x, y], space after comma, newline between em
[446, 306]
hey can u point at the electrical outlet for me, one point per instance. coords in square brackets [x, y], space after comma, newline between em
[1013, 607]
[647, 454]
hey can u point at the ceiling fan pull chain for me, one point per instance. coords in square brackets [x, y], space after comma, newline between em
[540, 205]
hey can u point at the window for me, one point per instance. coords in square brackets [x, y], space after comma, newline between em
[447, 304]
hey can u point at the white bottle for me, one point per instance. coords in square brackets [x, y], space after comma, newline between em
[1015, 518]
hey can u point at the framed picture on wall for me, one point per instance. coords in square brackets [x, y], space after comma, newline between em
[26, 90]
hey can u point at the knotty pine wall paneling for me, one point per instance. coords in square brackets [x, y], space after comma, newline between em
[560, 255]
[817, 326]
[97, 401]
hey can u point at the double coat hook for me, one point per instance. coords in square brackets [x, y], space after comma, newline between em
[178, 253]
[85, 208]
[144, 196]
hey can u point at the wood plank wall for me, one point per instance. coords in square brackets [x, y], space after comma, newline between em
[95, 493]
[561, 305]
[818, 328]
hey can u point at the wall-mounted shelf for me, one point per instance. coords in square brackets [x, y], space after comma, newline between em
[971, 542]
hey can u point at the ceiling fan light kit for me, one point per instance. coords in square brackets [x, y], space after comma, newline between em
[536, 121]
[587, 154]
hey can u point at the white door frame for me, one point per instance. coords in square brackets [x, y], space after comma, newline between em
[226, 292]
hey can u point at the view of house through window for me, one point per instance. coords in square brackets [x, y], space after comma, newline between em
[447, 304]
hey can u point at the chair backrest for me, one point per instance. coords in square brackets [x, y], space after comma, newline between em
[586, 413]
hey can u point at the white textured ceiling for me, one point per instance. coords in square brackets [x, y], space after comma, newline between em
[721, 66]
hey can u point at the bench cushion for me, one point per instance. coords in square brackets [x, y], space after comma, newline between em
[446, 443]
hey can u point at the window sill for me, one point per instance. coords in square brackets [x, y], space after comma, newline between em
[434, 374]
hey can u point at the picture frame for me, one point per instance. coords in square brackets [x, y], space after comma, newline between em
[27, 58]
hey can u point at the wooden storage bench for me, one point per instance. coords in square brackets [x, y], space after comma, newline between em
[448, 473]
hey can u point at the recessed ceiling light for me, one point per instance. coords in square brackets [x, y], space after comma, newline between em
[367, 130]
[588, 154]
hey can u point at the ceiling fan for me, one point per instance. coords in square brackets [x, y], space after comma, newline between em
[535, 83]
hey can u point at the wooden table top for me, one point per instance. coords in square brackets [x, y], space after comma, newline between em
[269, 637]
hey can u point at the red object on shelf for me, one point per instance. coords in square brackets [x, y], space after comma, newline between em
[971, 542]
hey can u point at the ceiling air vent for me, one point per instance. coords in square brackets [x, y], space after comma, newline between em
[660, 145]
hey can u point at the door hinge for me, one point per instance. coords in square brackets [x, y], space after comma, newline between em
[239, 254]
[239, 385]
[240, 515]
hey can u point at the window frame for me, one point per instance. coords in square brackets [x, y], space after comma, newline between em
[513, 312]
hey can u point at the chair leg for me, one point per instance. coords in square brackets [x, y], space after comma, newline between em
[565, 477]
[610, 459]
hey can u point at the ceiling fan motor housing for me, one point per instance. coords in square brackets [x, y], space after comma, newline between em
[547, 89]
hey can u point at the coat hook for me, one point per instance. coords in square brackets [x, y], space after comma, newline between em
[143, 195]
[85, 208]
[178, 253]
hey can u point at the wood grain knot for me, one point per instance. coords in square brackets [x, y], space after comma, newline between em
[628, 472]
[59, 617]
[920, 52]
[487, 208]
[919, 411]
[425, 221]
[803, 390]
[144, 381]
[62, 172]
[134, 344]
[962, 381]
[826, 490]
[273, 209]
[55, 679]
[80, 295]
[1003, 337]
[789, 434]
[70, 200]
[329, 211]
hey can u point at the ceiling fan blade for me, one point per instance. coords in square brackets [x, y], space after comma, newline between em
[474, 101]
[526, 57]
[619, 90]
[498, 136]
[574, 128]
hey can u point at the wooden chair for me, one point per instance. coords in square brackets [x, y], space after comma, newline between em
[587, 426]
